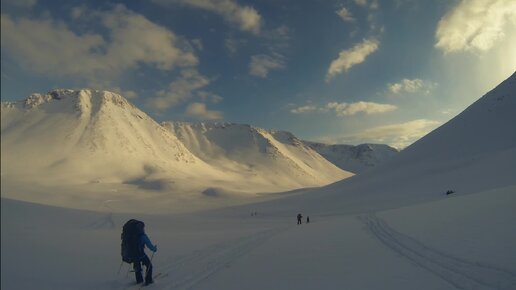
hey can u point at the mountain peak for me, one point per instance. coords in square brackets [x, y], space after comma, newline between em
[81, 96]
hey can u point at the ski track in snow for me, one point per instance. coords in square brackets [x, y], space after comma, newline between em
[185, 272]
[461, 273]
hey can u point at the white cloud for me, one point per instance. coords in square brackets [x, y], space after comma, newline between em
[345, 15]
[261, 64]
[246, 17]
[348, 109]
[180, 90]
[199, 111]
[475, 25]
[136, 39]
[353, 56]
[396, 135]
[410, 86]
[303, 109]
[50, 47]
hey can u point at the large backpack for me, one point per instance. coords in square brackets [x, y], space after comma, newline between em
[131, 234]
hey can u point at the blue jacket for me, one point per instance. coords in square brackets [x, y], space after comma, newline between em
[144, 241]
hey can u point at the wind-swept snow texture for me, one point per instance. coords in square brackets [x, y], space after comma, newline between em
[69, 146]
[356, 159]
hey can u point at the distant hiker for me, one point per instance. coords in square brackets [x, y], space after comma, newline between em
[307, 219]
[299, 217]
[134, 241]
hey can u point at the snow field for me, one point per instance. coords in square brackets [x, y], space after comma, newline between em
[462, 242]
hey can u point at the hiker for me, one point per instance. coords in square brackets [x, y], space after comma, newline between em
[134, 240]
[299, 217]
[307, 219]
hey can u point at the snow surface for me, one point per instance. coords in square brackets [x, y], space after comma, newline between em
[391, 227]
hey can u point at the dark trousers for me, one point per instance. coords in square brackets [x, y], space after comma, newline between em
[138, 270]
[298, 221]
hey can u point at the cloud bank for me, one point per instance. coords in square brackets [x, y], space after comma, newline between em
[475, 25]
[398, 135]
[48, 46]
[347, 109]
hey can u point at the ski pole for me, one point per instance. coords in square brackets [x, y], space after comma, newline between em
[120, 268]
[128, 268]
[150, 264]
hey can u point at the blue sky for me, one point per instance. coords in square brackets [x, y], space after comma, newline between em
[349, 72]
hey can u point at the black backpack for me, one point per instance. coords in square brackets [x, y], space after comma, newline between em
[131, 233]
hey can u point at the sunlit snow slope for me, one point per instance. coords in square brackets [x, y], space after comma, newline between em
[87, 144]
[87, 136]
[276, 156]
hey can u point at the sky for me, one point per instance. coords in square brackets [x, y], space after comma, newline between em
[351, 72]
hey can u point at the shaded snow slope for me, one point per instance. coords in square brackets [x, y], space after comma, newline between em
[356, 159]
[276, 156]
[474, 151]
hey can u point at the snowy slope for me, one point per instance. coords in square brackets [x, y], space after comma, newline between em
[435, 245]
[276, 156]
[73, 135]
[475, 151]
[83, 147]
[356, 159]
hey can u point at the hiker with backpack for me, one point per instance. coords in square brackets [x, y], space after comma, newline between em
[134, 240]
[299, 217]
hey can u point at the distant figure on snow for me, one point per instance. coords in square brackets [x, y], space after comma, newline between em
[299, 217]
[134, 240]
[307, 219]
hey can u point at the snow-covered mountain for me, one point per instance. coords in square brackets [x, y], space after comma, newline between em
[356, 159]
[95, 138]
[276, 156]
[87, 136]
[475, 151]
